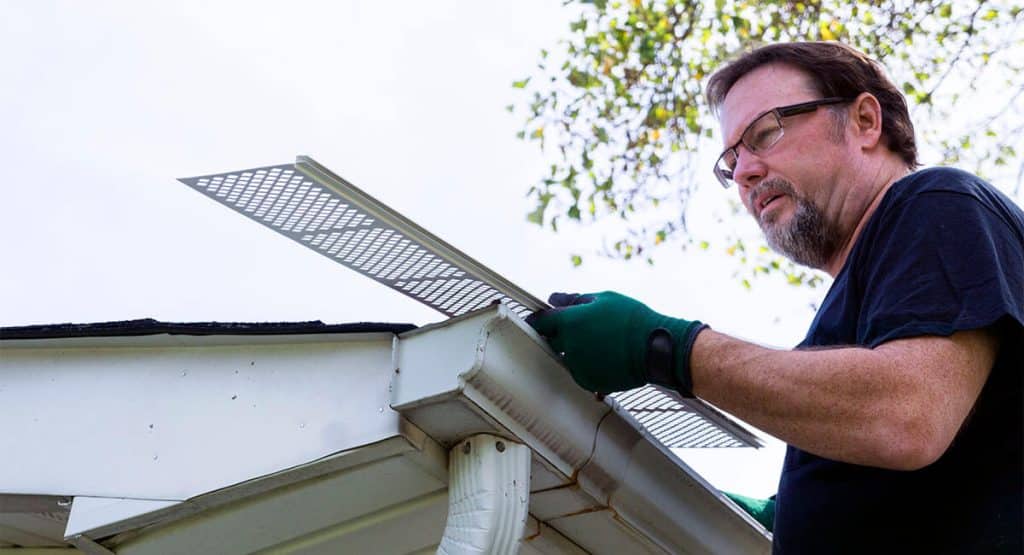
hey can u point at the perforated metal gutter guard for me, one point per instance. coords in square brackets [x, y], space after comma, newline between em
[309, 204]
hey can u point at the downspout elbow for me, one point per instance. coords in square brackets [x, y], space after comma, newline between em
[488, 497]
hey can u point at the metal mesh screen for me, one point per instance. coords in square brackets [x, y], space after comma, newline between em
[679, 425]
[291, 203]
[309, 204]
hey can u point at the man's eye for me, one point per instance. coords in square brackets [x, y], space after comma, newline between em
[763, 137]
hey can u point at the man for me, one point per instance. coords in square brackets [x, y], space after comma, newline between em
[902, 407]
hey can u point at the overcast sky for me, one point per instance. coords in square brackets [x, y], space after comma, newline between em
[104, 104]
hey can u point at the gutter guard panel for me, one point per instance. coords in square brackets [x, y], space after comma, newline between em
[679, 422]
[309, 204]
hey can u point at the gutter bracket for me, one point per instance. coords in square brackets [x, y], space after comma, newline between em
[488, 496]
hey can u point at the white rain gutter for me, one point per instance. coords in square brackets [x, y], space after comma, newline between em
[488, 372]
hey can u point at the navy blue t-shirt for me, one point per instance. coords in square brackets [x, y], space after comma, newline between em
[943, 252]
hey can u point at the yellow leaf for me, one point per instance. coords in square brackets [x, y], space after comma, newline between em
[826, 33]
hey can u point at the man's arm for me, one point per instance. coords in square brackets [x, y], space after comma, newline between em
[897, 406]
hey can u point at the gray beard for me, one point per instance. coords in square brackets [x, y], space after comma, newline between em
[808, 239]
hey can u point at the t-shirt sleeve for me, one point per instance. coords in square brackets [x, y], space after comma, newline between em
[940, 262]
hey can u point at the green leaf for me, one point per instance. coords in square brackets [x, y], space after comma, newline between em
[537, 216]
[587, 162]
[578, 78]
[576, 260]
[520, 84]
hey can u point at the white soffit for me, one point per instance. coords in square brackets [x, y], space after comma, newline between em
[309, 204]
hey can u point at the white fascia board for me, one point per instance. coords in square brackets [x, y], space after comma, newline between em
[488, 371]
[169, 418]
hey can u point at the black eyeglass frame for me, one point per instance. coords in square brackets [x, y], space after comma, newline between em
[780, 112]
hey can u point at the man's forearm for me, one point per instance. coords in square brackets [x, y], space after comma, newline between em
[886, 407]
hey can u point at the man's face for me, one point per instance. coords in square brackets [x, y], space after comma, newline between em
[790, 188]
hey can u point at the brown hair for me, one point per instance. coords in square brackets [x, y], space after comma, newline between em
[835, 70]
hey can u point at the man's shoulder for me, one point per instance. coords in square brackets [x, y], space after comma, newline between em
[940, 179]
[931, 188]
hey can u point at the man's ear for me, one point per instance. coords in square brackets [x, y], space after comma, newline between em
[866, 120]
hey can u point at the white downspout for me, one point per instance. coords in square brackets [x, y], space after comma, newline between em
[488, 496]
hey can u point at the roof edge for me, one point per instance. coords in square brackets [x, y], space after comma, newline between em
[150, 326]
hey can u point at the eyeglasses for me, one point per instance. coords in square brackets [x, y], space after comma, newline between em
[763, 133]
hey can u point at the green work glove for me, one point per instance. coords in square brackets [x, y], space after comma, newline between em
[611, 342]
[763, 510]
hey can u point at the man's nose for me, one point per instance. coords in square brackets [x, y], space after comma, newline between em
[750, 168]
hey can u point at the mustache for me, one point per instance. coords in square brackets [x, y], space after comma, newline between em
[775, 184]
